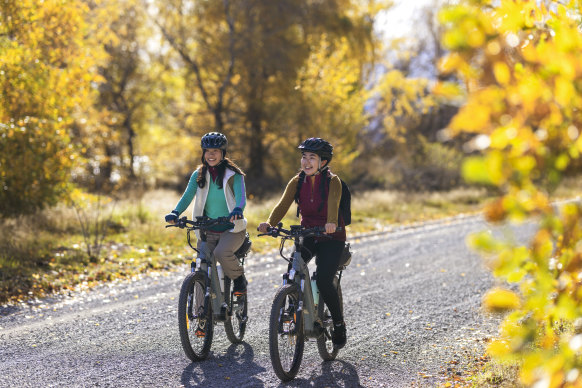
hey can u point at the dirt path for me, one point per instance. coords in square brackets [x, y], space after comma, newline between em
[412, 303]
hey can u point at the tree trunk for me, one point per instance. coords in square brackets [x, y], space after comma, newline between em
[218, 121]
[256, 171]
[130, 137]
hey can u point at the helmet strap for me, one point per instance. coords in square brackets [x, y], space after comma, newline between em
[321, 168]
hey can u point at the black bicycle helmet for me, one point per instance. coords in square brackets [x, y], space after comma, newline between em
[214, 140]
[318, 146]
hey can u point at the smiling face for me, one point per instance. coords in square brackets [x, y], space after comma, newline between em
[310, 163]
[213, 156]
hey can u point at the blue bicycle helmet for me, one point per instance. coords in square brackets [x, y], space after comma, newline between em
[214, 140]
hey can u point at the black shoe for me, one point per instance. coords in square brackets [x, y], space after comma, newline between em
[240, 286]
[338, 337]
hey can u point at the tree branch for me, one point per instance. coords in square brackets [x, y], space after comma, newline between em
[193, 65]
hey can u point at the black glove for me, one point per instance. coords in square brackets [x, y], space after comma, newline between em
[237, 213]
[172, 217]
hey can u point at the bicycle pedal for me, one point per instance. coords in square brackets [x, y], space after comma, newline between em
[318, 328]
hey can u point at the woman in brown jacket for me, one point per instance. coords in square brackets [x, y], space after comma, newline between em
[318, 192]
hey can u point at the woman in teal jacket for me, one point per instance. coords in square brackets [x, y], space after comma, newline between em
[218, 190]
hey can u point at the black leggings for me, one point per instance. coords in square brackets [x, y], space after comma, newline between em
[327, 254]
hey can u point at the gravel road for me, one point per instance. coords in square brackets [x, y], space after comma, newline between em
[411, 297]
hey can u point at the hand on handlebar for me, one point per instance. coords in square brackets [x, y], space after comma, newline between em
[330, 228]
[236, 214]
[264, 227]
[172, 217]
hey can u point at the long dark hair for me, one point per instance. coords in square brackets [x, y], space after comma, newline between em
[224, 163]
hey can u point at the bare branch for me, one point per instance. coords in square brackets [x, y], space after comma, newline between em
[191, 62]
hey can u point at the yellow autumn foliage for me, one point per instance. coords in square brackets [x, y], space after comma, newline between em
[521, 63]
[47, 71]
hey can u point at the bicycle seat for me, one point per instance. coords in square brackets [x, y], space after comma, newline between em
[244, 248]
[346, 257]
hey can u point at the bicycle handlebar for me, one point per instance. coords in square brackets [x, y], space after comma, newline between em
[202, 223]
[295, 231]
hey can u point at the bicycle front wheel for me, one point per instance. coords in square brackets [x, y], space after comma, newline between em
[196, 327]
[327, 350]
[286, 337]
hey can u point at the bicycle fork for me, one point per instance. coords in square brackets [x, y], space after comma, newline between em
[305, 310]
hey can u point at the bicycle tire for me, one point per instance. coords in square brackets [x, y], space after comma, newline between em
[286, 333]
[325, 347]
[196, 348]
[236, 324]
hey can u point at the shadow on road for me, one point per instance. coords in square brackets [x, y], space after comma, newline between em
[6, 311]
[333, 374]
[236, 368]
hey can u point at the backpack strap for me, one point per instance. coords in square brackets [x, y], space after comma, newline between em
[325, 177]
[299, 184]
[339, 211]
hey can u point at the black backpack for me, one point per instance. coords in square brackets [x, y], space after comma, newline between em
[345, 206]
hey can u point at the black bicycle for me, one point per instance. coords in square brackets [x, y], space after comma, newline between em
[297, 312]
[205, 299]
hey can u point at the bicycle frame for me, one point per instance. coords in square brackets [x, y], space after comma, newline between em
[306, 308]
[299, 273]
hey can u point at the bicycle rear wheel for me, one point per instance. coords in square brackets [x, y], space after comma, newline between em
[236, 324]
[196, 328]
[286, 337]
[327, 351]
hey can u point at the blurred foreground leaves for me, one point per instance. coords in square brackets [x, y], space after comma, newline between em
[521, 62]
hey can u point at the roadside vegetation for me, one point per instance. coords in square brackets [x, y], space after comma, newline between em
[48, 252]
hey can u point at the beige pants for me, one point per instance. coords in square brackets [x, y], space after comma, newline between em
[224, 245]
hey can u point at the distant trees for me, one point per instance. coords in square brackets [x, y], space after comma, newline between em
[246, 60]
[48, 54]
[405, 139]
[93, 90]
[104, 93]
[123, 110]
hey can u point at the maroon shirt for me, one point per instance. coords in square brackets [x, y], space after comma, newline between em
[309, 205]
